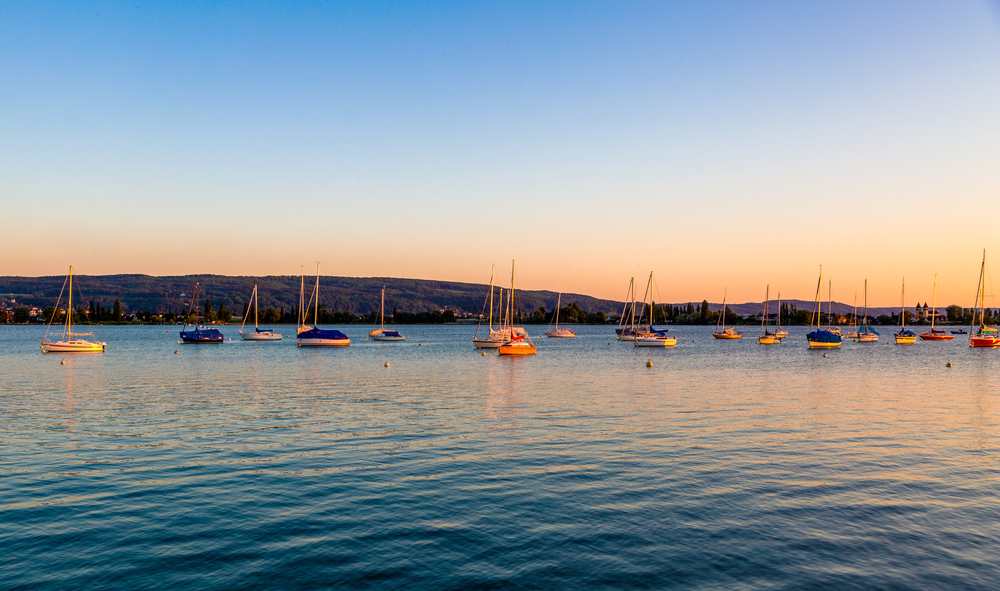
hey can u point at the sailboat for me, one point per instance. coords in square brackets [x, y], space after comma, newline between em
[982, 335]
[559, 332]
[904, 336]
[725, 333]
[313, 336]
[853, 331]
[867, 334]
[520, 343]
[494, 338]
[258, 334]
[382, 334]
[635, 330]
[766, 337]
[935, 334]
[778, 331]
[653, 338]
[629, 303]
[829, 313]
[819, 338]
[200, 334]
[71, 342]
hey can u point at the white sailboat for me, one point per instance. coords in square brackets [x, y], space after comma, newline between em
[867, 334]
[382, 334]
[258, 334]
[71, 342]
[778, 331]
[492, 339]
[852, 332]
[829, 316]
[557, 332]
[652, 337]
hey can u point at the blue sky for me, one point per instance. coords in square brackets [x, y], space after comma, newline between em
[730, 145]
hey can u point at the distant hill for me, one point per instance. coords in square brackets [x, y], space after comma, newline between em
[355, 294]
[838, 308]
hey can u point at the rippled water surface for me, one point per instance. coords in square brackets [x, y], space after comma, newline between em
[724, 465]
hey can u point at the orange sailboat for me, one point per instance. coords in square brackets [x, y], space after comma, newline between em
[519, 343]
[982, 336]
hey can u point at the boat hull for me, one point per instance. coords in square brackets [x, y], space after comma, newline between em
[656, 342]
[560, 333]
[727, 337]
[926, 336]
[781, 334]
[906, 340]
[260, 336]
[772, 340]
[517, 349]
[487, 343]
[200, 336]
[988, 342]
[388, 338]
[73, 346]
[823, 339]
[317, 337]
[321, 342]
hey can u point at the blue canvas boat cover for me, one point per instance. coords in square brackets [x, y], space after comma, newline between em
[319, 333]
[906, 333]
[391, 333]
[202, 334]
[823, 336]
[264, 330]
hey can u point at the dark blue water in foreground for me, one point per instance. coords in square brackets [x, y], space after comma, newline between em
[725, 465]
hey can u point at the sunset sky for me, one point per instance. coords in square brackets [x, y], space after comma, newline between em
[720, 145]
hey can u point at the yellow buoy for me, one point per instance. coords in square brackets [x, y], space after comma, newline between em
[947, 364]
[483, 353]
[63, 362]
[175, 352]
[178, 342]
[420, 344]
[387, 364]
[649, 363]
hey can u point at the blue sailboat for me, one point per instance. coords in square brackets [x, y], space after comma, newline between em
[313, 336]
[819, 338]
[200, 334]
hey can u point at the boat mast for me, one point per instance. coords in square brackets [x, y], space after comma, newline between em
[382, 308]
[854, 319]
[818, 307]
[902, 307]
[934, 304]
[722, 318]
[558, 303]
[866, 306]
[510, 299]
[69, 306]
[302, 296]
[767, 296]
[632, 322]
[777, 321]
[255, 307]
[829, 309]
[980, 297]
[316, 305]
[492, 274]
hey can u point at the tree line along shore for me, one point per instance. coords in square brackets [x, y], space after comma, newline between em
[679, 314]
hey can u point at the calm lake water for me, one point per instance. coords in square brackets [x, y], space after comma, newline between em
[724, 465]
